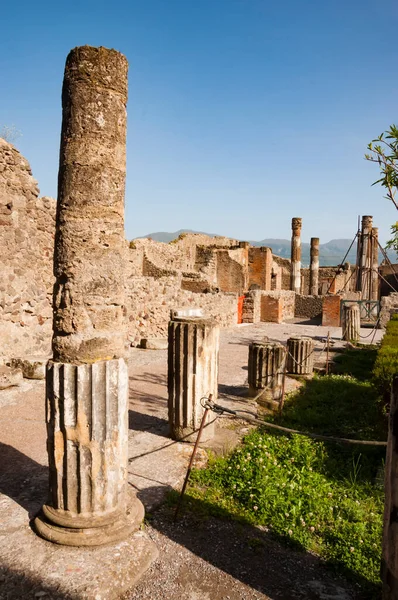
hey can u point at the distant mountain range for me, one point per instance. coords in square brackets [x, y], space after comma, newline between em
[330, 254]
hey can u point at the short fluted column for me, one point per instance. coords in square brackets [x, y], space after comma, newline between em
[265, 371]
[300, 358]
[192, 374]
[351, 322]
[87, 426]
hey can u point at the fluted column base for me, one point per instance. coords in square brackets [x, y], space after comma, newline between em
[265, 372]
[60, 527]
[351, 322]
[300, 358]
[87, 443]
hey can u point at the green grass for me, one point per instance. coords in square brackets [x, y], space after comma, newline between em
[324, 497]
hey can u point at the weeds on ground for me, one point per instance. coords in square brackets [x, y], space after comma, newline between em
[324, 497]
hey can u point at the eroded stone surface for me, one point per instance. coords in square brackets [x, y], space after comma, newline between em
[90, 249]
[9, 377]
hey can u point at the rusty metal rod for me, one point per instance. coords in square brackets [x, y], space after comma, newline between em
[202, 424]
[327, 355]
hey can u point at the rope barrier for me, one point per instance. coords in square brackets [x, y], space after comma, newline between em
[218, 409]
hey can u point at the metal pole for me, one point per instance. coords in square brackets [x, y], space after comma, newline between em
[202, 424]
[327, 354]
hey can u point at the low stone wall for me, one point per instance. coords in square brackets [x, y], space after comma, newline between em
[149, 301]
[277, 306]
[388, 306]
[251, 312]
[308, 306]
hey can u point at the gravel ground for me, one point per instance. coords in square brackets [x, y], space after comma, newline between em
[216, 559]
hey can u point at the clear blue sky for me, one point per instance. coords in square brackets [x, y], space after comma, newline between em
[241, 115]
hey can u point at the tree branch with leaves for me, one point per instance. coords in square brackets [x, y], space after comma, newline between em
[384, 151]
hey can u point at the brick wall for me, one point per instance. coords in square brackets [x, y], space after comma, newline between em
[331, 311]
[277, 306]
[260, 267]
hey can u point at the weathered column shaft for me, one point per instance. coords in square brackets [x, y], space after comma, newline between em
[375, 264]
[351, 322]
[300, 358]
[192, 375]
[366, 257]
[87, 381]
[90, 243]
[266, 367]
[296, 255]
[314, 267]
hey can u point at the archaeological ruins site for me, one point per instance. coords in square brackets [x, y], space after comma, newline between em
[93, 325]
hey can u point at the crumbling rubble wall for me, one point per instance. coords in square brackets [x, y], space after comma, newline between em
[27, 226]
[149, 301]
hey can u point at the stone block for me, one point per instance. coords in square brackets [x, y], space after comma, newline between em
[9, 377]
[154, 344]
[32, 367]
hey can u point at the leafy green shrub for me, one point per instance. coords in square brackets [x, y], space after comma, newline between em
[386, 365]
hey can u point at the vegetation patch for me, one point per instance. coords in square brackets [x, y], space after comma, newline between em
[324, 497]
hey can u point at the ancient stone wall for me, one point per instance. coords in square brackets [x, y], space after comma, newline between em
[282, 269]
[231, 270]
[260, 267]
[388, 307]
[149, 301]
[277, 306]
[27, 225]
[308, 306]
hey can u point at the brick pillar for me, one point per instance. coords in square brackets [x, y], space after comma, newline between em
[314, 267]
[351, 322]
[300, 358]
[192, 375]
[296, 255]
[266, 366]
[87, 380]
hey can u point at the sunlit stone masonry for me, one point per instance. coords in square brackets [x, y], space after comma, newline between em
[192, 375]
[86, 388]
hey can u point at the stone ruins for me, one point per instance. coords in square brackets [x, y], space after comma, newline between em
[231, 281]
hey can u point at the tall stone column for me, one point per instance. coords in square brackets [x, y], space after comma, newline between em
[375, 264]
[314, 267]
[365, 258]
[87, 380]
[296, 255]
[192, 375]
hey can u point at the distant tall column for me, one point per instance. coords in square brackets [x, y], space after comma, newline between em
[87, 381]
[314, 267]
[375, 264]
[296, 255]
[366, 257]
